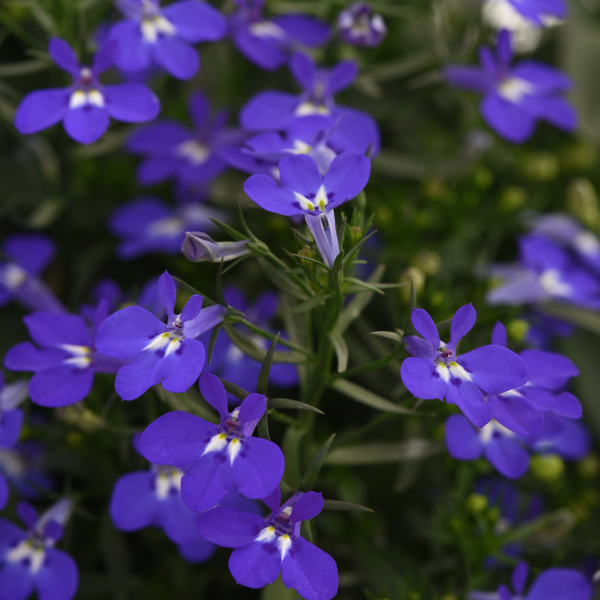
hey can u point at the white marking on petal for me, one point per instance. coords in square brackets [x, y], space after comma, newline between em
[487, 431]
[310, 108]
[233, 449]
[95, 98]
[550, 280]
[173, 346]
[24, 550]
[81, 362]
[167, 227]
[158, 342]
[459, 372]
[75, 350]
[515, 89]
[80, 355]
[194, 151]
[300, 147]
[284, 543]
[442, 371]
[151, 27]
[266, 535]
[165, 482]
[78, 99]
[266, 29]
[216, 444]
[512, 393]
[12, 276]
[586, 242]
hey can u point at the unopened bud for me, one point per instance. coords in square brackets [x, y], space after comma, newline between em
[428, 261]
[412, 276]
[355, 235]
[541, 166]
[512, 198]
[582, 202]
[549, 467]
[517, 329]
[309, 253]
[359, 27]
[81, 417]
[200, 247]
[476, 503]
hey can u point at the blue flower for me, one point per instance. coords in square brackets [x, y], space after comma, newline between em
[28, 254]
[274, 110]
[266, 547]
[66, 360]
[172, 150]
[159, 352]
[221, 458]
[551, 584]
[151, 35]
[86, 106]
[515, 98]
[148, 224]
[435, 370]
[539, 12]
[29, 560]
[357, 26]
[268, 43]
[304, 191]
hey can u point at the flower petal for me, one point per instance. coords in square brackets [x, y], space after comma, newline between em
[258, 468]
[26, 357]
[159, 138]
[347, 176]
[251, 410]
[168, 294]
[61, 385]
[86, 124]
[144, 371]
[11, 422]
[422, 380]
[4, 491]
[182, 367]
[462, 323]
[519, 577]
[300, 174]
[133, 503]
[468, 397]
[39, 110]
[132, 52]
[560, 584]
[176, 56]
[255, 565]
[462, 440]
[548, 369]
[263, 190]
[507, 456]
[16, 581]
[508, 119]
[341, 76]
[213, 392]
[207, 482]
[516, 413]
[64, 56]
[131, 102]
[176, 438]
[299, 571]
[308, 506]
[499, 337]
[195, 21]
[229, 527]
[424, 325]
[58, 577]
[269, 110]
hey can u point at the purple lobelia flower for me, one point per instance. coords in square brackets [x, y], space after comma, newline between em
[66, 360]
[435, 370]
[268, 43]
[569, 438]
[515, 98]
[545, 273]
[501, 447]
[160, 352]
[220, 457]
[86, 106]
[163, 36]
[270, 110]
[357, 26]
[266, 547]
[11, 422]
[536, 12]
[551, 584]
[521, 410]
[150, 225]
[29, 561]
[172, 150]
[28, 255]
[304, 191]
[231, 364]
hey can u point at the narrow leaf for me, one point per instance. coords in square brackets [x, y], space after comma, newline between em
[339, 505]
[281, 280]
[393, 452]
[368, 398]
[265, 369]
[357, 247]
[312, 471]
[340, 347]
[291, 404]
[236, 235]
[248, 347]
[234, 389]
[389, 335]
[309, 304]
[212, 341]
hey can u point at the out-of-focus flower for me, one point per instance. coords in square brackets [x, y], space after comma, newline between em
[359, 27]
[85, 108]
[515, 98]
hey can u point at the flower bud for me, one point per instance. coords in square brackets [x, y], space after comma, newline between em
[357, 26]
[200, 247]
[309, 253]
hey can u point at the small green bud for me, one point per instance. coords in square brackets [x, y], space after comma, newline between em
[309, 253]
[541, 166]
[517, 329]
[355, 235]
[512, 198]
[483, 177]
[449, 597]
[434, 188]
[548, 467]
[428, 261]
[417, 277]
[476, 503]
[589, 467]
[582, 202]
[81, 417]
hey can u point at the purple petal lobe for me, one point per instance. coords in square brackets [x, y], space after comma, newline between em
[182, 367]
[51, 329]
[41, 109]
[519, 577]
[177, 439]
[58, 578]
[310, 571]
[507, 456]
[347, 176]
[133, 504]
[547, 369]
[213, 392]
[195, 21]
[507, 118]
[560, 584]
[499, 335]
[168, 294]
[424, 325]
[300, 173]
[61, 385]
[268, 111]
[207, 481]
[516, 413]
[86, 124]
[564, 404]
[422, 380]
[462, 323]
[462, 440]
[341, 76]
[62, 54]
[418, 347]
[131, 102]
[133, 53]
[192, 308]
[258, 468]
[303, 69]
[11, 422]
[494, 369]
[263, 190]
[308, 506]
[144, 371]
[4, 491]
[16, 582]
[468, 397]
[33, 252]
[127, 332]
[251, 410]
[26, 357]
[177, 57]
[229, 527]
[255, 565]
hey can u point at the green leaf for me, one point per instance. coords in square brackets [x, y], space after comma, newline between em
[357, 247]
[368, 398]
[236, 235]
[24, 67]
[212, 341]
[306, 531]
[263, 427]
[265, 369]
[359, 283]
[291, 450]
[390, 335]
[234, 389]
[340, 505]
[312, 471]
[219, 285]
[281, 280]
[309, 304]
[279, 403]
[186, 403]
[340, 347]
[392, 452]
[191, 289]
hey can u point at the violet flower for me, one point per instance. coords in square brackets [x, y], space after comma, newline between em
[304, 191]
[435, 370]
[28, 254]
[538, 12]
[148, 224]
[515, 98]
[200, 247]
[163, 36]
[357, 26]
[29, 562]
[85, 108]
[172, 150]
[551, 584]
[263, 548]
[220, 458]
[571, 439]
[270, 110]
[159, 352]
[66, 360]
[268, 43]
